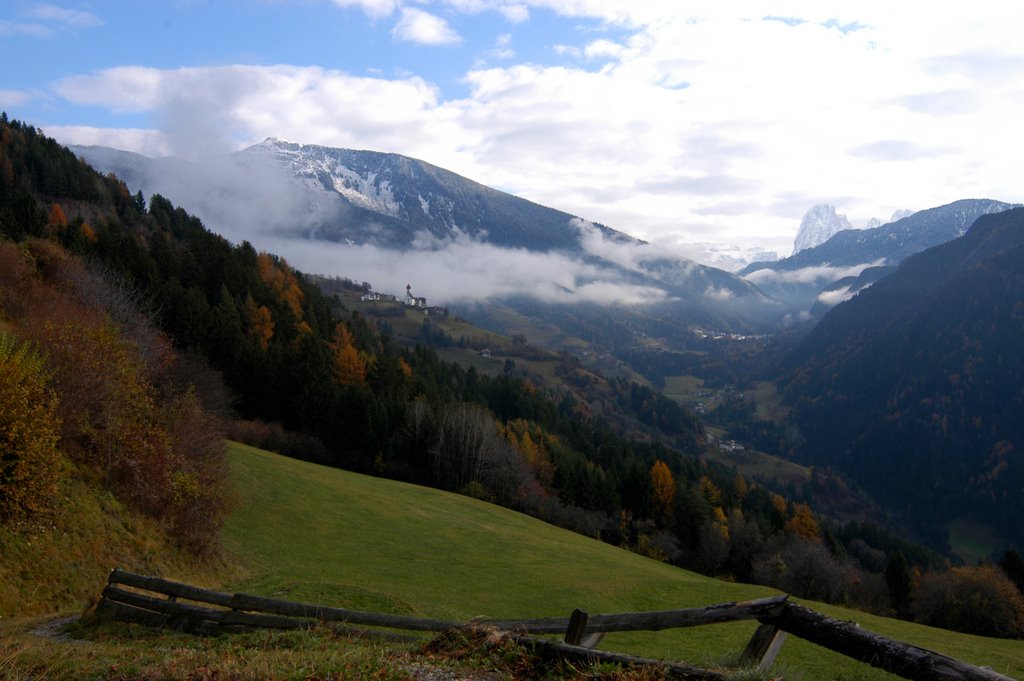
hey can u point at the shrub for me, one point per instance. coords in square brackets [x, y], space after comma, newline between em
[30, 463]
[975, 600]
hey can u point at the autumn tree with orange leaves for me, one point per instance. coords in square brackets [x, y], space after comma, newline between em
[663, 491]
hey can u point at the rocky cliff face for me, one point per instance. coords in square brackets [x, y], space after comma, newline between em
[820, 223]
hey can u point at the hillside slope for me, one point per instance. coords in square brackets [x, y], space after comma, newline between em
[919, 377]
[317, 534]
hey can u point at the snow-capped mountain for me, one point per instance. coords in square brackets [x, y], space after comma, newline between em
[396, 204]
[805, 279]
[820, 223]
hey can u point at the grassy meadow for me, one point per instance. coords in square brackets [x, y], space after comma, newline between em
[316, 534]
[310, 533]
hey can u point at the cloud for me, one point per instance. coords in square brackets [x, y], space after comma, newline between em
[10, 98]
[466, 271]
[515, 12]
[46, 21]
[808, 275]
[899, 150]
[71, 18]
[836, 296]
[423, 28]
[603, 48]
[29, 28]
[696, 119]
[373, 8]
[150, 143]
[211, 109]
[946, 103]
[502, 47]
[719, 294]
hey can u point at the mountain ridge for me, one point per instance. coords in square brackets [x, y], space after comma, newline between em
[918, 378]
[388, 201]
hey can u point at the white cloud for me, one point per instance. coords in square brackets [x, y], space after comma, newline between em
[503, 47]
[9, 98]
[466, 271]
[423, 28]
[834, 297]
[702, 121]
[31, 28]
[71, 18]
[603, 48]
[45, 21]
[150, 143]
[374, 8]
[809, 275]
[515, 13]
[719, 294]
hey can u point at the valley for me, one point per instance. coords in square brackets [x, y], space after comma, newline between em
[696, 435]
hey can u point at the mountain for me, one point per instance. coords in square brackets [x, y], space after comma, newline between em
[393, 206]
[800, 280]
[914, 386]
[820, 223]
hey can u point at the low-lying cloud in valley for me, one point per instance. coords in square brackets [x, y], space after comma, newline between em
[244, 197]
[465, 271]
[808, 275]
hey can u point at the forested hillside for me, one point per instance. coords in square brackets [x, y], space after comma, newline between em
[331, 387]
[914, 387]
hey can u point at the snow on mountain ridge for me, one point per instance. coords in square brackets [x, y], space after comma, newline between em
[820, 223]
[321, 169]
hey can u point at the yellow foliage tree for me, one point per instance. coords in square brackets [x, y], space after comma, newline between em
[57, 218]
[663, 490]
[281, 278]
[710, 491]
[803, 523]
[742, 488]
[30, 463]
[259, 323]
[350, 365]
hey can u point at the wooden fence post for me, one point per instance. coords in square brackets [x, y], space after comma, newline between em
[577, 627]
[764, 647]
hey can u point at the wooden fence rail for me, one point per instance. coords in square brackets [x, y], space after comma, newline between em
[776, 615]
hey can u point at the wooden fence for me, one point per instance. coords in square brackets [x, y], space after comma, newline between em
[159, 602]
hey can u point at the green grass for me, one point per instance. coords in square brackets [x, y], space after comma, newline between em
[683, 387]
[770, 405]
[316, 534]
[751, 463]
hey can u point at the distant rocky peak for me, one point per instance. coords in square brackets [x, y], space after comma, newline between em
[820, 223]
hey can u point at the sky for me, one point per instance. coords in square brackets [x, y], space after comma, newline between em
[677, 122]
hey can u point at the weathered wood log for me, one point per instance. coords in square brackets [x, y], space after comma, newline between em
[674, 619]
[169, 588]
[288, 608]
[246, 602]
[186, 617]
[577, 626]
[652, 621]
[764, 647]
[555, 650]
[902, 659]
